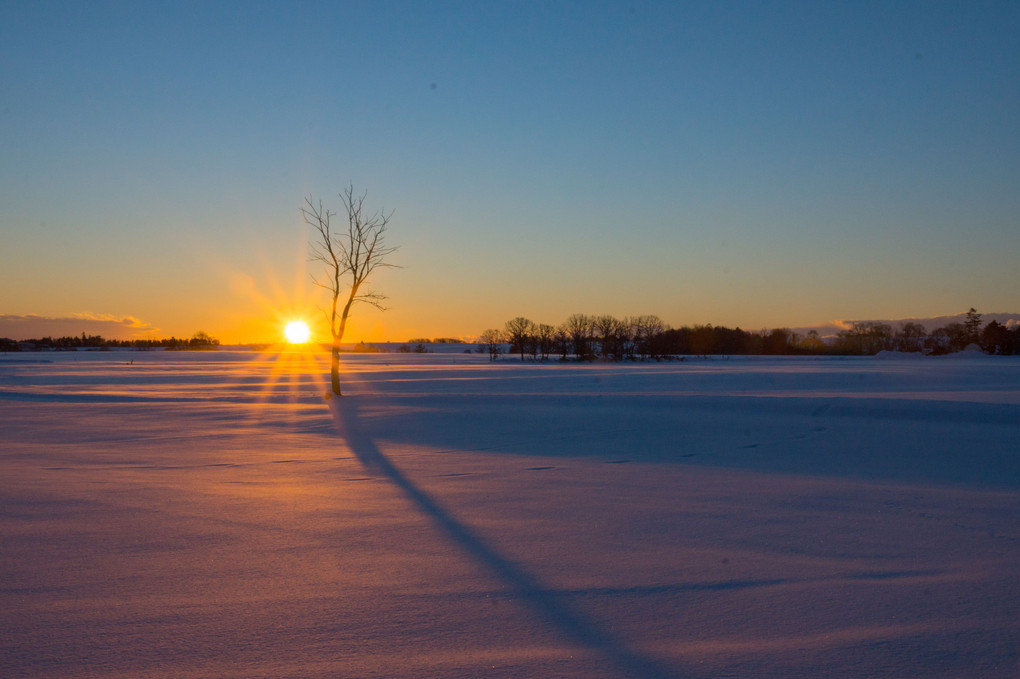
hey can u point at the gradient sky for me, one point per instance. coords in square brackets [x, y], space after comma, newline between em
[741, 164]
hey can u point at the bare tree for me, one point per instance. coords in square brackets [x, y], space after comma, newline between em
[909, 336]
[492, 340]
[518, 332]
[645, 329]
[544, 336]
[561, 342]
[349, 256]
[580, 329]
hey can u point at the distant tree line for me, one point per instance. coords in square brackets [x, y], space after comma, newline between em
[200, 340]
[866, 338]
[603, 337]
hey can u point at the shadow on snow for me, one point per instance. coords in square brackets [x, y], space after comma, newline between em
[544, 602]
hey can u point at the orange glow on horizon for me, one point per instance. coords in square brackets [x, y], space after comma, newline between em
[267, 306]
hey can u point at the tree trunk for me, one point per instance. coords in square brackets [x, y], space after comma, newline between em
[334, 368]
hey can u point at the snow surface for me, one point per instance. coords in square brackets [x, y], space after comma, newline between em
[211, 514]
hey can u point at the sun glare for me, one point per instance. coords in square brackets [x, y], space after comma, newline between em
[297, 332]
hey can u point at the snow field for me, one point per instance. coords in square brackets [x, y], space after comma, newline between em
[194, 515]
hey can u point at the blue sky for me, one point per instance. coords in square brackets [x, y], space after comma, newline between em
[751, 164]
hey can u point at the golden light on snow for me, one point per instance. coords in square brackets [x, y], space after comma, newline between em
[297, 332]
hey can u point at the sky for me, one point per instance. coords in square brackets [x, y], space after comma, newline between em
[743, 164]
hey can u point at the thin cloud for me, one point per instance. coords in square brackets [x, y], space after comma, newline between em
[33, 326]
[832, 328]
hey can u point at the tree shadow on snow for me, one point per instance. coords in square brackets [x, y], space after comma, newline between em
[544, 602]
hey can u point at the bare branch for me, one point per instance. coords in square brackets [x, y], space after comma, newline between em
[348, 257]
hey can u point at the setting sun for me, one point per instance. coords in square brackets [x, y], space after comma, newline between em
[297, 332]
